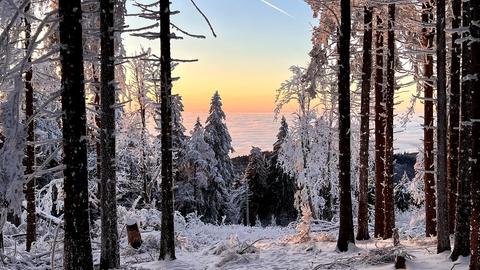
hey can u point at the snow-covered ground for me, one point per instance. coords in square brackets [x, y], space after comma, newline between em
[206, 246]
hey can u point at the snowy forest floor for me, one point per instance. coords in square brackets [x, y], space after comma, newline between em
[206, 246]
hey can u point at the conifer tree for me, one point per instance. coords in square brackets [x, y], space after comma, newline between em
[167, 242]
[200, 166]
[461, 246]
[345, 235]
[77, 245]
[256, 180]
[475, 86]
[219, 138]
[281, 185]
[110, 257]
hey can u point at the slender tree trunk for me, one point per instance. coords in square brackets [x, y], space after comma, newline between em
[77, 245]
[389, 206]
[461, 245]
[345, 235]
[30, 153]
[379, 131]
[362, 233]
[167, 243]
[475, 71]
[427, 43]
[454, 119]
[109, 257]
[98, 122]
[443, 236]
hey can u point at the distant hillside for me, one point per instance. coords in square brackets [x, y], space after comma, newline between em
[404, 164]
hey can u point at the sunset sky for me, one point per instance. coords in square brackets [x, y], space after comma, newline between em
[257, 42]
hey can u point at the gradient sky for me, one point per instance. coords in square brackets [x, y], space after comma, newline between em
[258, 40]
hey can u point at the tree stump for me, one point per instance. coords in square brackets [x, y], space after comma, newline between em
[399, 258]
[133, 234]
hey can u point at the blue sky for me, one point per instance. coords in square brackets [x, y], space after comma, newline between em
[249, 59]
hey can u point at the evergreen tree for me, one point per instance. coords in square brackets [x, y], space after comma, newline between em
[218, 137]
[475, 81]
[110, 257]
[257, 190]
[362, 232]
[281, 185]
[167, 242]
[77, 245]
[200, 171]
[345, 234]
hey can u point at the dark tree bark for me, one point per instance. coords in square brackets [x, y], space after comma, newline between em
[30, 151]
[475, 86]
[389, 207]
[428, 142]
[77, 245]
[443, 235]
[345, 235]
[167, 242]
[362, 233]
[454, 116]
[379, 131]
[109, 257]
[461, 245]
[98, 122]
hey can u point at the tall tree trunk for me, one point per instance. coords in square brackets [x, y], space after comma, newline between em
[454, 116]
[443, 235]
[98, 122]
[77, 245]
[475, 71]
[461, 245]
[345, 235]
[379, 131]
[167, 243]
[428, 142]
[389, 206]
[30, 153]
[362, 233]
[109, 257]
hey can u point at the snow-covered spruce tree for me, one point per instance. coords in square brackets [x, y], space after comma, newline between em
[281, 185]
[417, 185]
[257, 189]
[77, 245]
[219, 138]
[201, 190]
[179, 138]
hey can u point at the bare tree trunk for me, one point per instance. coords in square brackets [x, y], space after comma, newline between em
[454, 119]
[345, 235]
[167, 243]
[77, 245]
[389, 206]
[379, 131]
[443, 236]
[98, 122]
[461, 245]
[428, 159]
[109, 257]
[30, 153]
[475, 71]
[362, 233]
